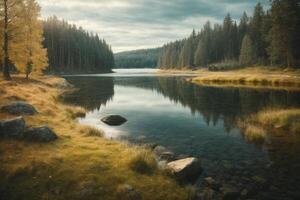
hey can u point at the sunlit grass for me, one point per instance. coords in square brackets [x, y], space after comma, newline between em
[143, 162]
[270, 121]
[252, 76]
[80, 164]
[91, 131]
[288, 119]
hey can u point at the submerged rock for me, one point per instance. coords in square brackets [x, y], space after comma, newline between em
[212, 183]
[188, 169]
[12, 128]
[163, 153]
[114, 120]
[19, 108]
[230, 192]
[40, 134]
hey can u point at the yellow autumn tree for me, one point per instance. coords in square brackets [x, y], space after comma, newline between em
[36, 55]
[11, 33]
[22, 37]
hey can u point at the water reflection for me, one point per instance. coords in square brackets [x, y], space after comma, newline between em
[91, 93]
[199, 121]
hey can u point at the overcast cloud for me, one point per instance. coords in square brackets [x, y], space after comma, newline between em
[137, 24]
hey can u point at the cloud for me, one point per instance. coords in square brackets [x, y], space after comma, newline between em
[135, 24]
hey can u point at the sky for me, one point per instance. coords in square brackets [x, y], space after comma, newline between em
[138, 24]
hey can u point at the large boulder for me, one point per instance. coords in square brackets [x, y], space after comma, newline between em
[12, 128]
[114, 120]
[19, 108]
[187, 170]
[40, 134]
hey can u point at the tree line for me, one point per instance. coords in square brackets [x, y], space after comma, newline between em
[29, 44]
[270, 37]
[74, 50]
[144, 58]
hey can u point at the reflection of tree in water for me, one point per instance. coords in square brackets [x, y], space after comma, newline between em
[215, 104]
[92, 91]
[227, 104]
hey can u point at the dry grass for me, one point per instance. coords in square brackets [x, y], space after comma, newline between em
[287, 119]
[252, 76]
[252, 132]
[276, 121]
[91, 131]
[143, 161]
[75, 166]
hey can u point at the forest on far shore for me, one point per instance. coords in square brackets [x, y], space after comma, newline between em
[74, 50]
[31, 45]
[144, 58]
[270, 38]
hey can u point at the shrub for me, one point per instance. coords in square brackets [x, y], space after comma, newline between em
[91, 131]
[143, 162]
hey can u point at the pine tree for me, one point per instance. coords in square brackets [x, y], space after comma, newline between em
[243, 28]
[201, 57]
[256, 32]
[186, 56]
[247, 52]
[285, 32]
[74, 50]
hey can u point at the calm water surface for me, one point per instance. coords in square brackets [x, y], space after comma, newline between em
[197, 121]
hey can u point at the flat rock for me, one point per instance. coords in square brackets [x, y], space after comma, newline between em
[114, 120]
[19, 108]
[12, 128]
[40, 134]
[188, 169]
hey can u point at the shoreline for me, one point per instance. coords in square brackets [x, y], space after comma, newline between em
[253, 77]
[80, 163]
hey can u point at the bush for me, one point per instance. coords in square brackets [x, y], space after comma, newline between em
[143, 162]
[91, 131]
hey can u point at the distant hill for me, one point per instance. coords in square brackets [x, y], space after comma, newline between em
[144, 58]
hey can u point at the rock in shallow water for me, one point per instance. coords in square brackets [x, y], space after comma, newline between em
[187, 170]
[230, 192]
[12, 128]
[163, 153]
[19, 108]
[40, 134]
[114, 120]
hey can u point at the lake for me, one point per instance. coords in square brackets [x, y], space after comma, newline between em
[198, 121]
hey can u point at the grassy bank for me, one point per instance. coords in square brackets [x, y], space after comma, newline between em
[252, 76]
[258, 77]
[276, 121]
[80, 164]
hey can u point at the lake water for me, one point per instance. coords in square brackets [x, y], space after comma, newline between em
[197, 121]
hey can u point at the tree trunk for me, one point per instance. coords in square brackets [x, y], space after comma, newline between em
[6, 73]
